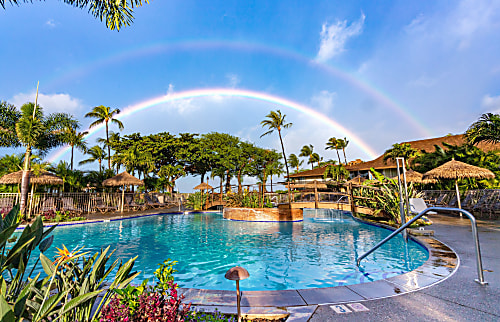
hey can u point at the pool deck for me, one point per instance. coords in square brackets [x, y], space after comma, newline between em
[443, 289]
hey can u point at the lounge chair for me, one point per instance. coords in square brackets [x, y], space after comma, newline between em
[48, 204]
[150, 202]
[418, 205]
[102, 207]
[68, 205]
[131, 204]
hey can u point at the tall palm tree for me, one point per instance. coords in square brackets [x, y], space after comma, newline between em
[103, 114]
[294, 161]
[276, 121]
[75, 140]
[315, 158]
[307, 151]
[486, 129]
[333, 144]
[96, 154]
[342, 144]
[114, 139]
[34, 130]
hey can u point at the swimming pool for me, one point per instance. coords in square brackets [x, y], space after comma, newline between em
[318, 252]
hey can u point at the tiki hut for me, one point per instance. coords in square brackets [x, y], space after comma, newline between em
[415, 177]
[455, 170]
[203, 186]
[42, 178]
[357, 180]
[123, 179]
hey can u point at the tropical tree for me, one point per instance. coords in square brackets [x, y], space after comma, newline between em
[336, 172]
[104, 114]
[32, 130]
[96, 154]
[75, 139]
[9, 115]
[342, 144]
[403, 150]
[486, 129]
[333, 144]
[276, 121]
[117, 14]
[315, 158]
[307, 151]
[294, 161]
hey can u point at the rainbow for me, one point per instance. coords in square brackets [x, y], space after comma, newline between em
[352, 78]
[230, 92]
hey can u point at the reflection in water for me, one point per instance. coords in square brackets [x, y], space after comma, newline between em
[318, 252]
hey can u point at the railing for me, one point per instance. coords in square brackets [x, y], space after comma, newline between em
[475, 237]
[78, 202]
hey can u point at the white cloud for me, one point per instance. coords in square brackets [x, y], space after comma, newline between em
[182, 106]
[424, 81]
[50, 23]
[234, 80]
[324, 101]
[491, 103]
[334, 37]
[51, 103]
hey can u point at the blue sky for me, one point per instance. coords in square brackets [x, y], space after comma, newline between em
[388, 71]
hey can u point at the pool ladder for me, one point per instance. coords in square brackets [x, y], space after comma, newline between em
[480, 277]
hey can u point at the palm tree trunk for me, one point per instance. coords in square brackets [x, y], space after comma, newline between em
[345, 159]
[109, 149]
[287, 172]
[25, 181]
[338, 156]
[72, 148]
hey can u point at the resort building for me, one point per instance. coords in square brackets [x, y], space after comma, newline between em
[388, 167]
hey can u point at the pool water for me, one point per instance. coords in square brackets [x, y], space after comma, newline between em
[318, 252]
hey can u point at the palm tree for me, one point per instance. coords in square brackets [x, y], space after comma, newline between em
[342, 144]
[486, 129]
[295, 162]
[315, 158]
[333, 144]
[117, 14]
[96, 154]
[307, 151]
[36, 131]
[276, 121]
[75, 140]
[403, 150]
[103, 114]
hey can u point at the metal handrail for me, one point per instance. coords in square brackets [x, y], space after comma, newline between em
[480, 276]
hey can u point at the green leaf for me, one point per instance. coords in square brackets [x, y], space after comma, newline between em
[47, 265]
[75, 302]
[6, 312]
[49, 305]
[46, 243]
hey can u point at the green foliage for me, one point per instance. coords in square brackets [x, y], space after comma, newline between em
[164, 275]
[486, 129]
[247, 200]
[70, 289]
[196, 200]
[465, 153]
[387, 198]
[336, 172]
[403, 150]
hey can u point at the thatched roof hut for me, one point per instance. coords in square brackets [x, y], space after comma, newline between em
[122, 179]
[43, 178]
[357, 180]
[415, 177]
[458, 170]
[203, 186]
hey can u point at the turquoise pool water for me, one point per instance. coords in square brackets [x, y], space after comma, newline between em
[318, 252]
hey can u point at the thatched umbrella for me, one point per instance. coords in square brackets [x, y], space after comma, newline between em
[43, 177]
[415, 177]
[203, 186]
[458, 170]
[123, 179]
[357, 180]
